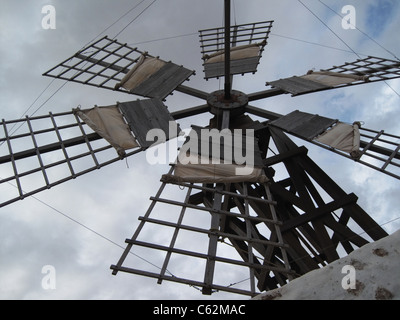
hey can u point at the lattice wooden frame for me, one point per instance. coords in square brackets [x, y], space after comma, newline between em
[212, 41]
[372, 69]
[69, 145]
[378, 150]
[251, 245]
[311, 228]
[375, 68]
[101, 64]
[104, 64]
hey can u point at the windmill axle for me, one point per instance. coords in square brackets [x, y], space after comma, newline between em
[236, 104]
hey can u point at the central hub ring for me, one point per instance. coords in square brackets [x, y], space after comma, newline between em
[236, 104]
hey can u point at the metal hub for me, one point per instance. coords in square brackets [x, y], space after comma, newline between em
[236, 104]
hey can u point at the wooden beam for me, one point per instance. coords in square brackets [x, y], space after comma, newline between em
[190, 112]
[262, 113]
[192, 92]
[50, 147]
[228, 83]
[318, 212]
[265, 94]
[281, 157]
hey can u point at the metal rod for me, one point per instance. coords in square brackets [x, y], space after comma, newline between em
[227, 49]
[241, 26]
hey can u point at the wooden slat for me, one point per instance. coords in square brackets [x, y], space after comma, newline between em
[90, 65]
[116, 268]
[304, 125]
[12, 159]
[46, 179]
[173, 239]
[296, 85]
[318, 212]
[240, 66]
[163, 82]
[144, 115]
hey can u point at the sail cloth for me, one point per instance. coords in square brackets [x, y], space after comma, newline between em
[316, 81]
[240, 52]
[196, 164]
[143, 69]
[109, 123]
[332, 79]
[344, 137]
[202, 170]
[331, 132]
[153, 78]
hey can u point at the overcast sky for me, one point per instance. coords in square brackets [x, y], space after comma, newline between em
[35, 232]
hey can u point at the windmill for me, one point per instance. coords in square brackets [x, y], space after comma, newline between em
[278, 228]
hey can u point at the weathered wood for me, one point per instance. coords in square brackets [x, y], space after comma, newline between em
[163, 82]
[50, 147]
[192, 92]
[212, 245]
[296, 85]
[91, 65]
[144, 115]
[245, 65]
[318, 212]
[174, 237]
[190, 282]
[304, 125]
[305, 194]
[285, 155]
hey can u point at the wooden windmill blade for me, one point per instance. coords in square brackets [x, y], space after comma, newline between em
[64, 146]
[112, 65]
[376, 149]
[247, 45]
[367, 70]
